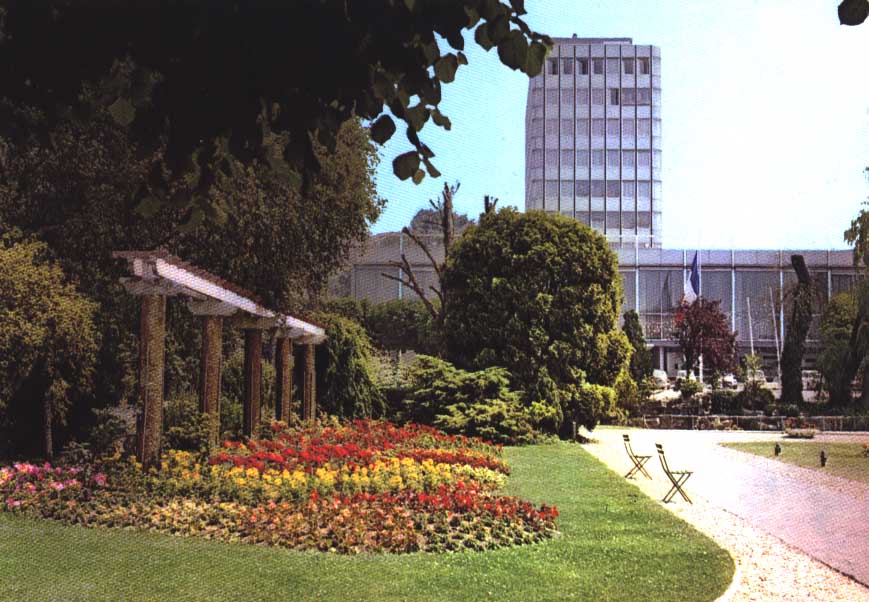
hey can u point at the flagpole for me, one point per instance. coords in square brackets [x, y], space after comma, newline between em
[700, 294]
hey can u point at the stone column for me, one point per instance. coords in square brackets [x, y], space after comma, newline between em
[152, 338]
[283, 378]
[253, 343]
[209, 377]
[309, 388]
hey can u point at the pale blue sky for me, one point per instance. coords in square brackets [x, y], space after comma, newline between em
[765, 108]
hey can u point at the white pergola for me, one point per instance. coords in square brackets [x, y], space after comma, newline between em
[156, 275]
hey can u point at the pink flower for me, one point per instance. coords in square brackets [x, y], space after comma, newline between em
[100, 479]
[57, 485]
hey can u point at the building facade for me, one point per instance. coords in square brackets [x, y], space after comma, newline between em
[593, 137]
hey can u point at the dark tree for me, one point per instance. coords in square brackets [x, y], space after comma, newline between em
[702, 328]
[219, 81]
[802, 304]
[429, 221]
[641, 358]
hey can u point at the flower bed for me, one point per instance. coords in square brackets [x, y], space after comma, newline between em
[359, 487]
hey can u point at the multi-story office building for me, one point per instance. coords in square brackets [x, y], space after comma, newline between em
[593, 152]
[593, 137]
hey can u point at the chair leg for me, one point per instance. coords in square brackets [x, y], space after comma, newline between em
[630, 474]
[643, 468]
[677, 487]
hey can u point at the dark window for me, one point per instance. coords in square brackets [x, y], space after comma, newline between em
[597, 66]
[644, 96]
[629, 97]
[597, 188]
[612, 66]
[567, 66]
[582, 66]
[553, 66]
[644, 65]
[629, 66]
[613, 187]
[614, 97]
[582, 188]
[628, 189]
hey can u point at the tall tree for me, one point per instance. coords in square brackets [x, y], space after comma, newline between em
[802, 304]
[220, 81]
[641, 358]
[539, 295]
[836, 357]
[429, 221]
[702, 328]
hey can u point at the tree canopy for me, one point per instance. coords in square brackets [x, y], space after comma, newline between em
[539, 295]
[221, 81]
[702, 328]
[641, 358]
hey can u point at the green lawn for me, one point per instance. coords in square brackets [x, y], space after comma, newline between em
[616, 545]
[843, 459]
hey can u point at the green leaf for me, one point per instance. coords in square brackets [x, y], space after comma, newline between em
[431, 51]
[445, 68]
[535, 58]
[473, 17]
[853, 12]
[481, 35]
[197, 216]
[405, 165]
[416, 116]
[513, 50]
[432, 171]
[489, 9]
[463, 60]
[498, 29]
[122, 111]
[441, 120]
[382, 129]
[418, 176]
[148, 206]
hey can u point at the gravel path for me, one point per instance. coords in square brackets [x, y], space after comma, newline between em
[767, 567]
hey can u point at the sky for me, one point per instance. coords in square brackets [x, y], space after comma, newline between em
[765, 108]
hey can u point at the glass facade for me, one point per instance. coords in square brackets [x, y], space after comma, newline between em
[609, 119]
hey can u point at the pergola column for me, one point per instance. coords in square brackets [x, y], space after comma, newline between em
[309, 385]
[152, 339]
[211, 362]
[283, 377]
[253, 343]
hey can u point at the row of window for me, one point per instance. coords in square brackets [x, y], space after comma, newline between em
[627, 128]
[615, 97]
[629, 158]
[612, 189]
[628, 66]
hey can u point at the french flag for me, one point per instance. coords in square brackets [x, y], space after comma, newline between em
[691, 290]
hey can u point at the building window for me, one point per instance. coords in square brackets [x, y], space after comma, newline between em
[566, 189]
[643, 158]
[628, 189]
[536, 157]
[551, 127]
[567, 127]
[644, 128]
[629, 97]
[613, 188]
[612, 66]
[597, 66]
[614, 97]
[597, 188]
[628, 127]
[567, 66]
[566, 158]
[643, 190]
[644, 96]
[629, 66]
[582, 127]
[537, 141]
[628, 159]
[582, 66]
[597, 127]
[552, 97]
[612, 159]
[552, 67]
[582, 96]
[612, 127]
[551, 157]
[644, 65]
[582, 158]
[597, 158]
[582, 188]
[597, 96]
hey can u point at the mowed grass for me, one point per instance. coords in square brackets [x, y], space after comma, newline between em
[616, 545]
[844, 460]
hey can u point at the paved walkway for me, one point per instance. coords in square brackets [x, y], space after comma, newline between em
[824, 516]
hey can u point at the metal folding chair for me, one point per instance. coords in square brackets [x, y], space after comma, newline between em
[637, 460]
[677, 477]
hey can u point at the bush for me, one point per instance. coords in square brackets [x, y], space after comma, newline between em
[755, 396]
[185, 427]
[800, 433]
[468, 403]
[725, 402]
[789, 410]
[111, 431]
[689, 388]
[588, 400]
[627, 393]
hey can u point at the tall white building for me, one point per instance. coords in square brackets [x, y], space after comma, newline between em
[593, 137]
